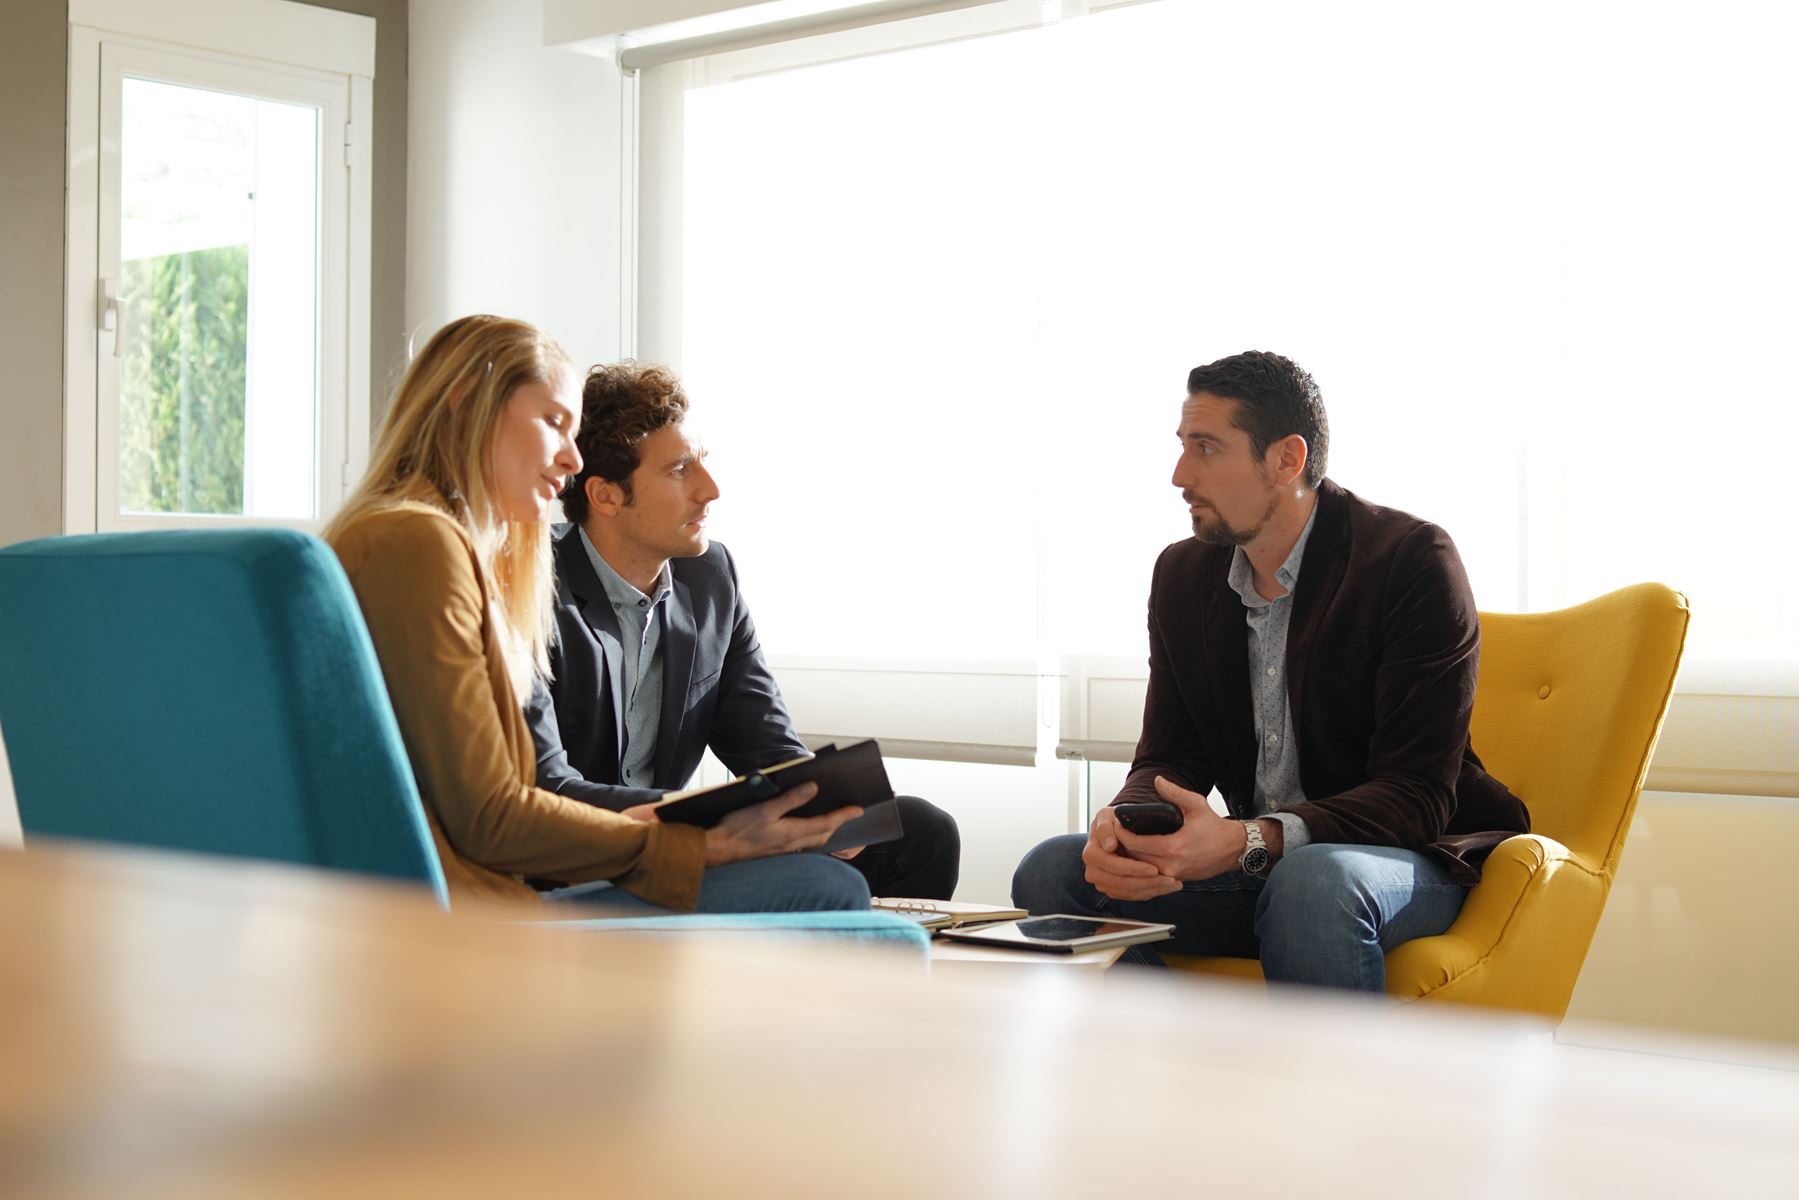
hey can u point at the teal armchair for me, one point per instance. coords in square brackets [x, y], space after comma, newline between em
[216, 692]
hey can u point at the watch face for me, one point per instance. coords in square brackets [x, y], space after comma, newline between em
[1255, 860]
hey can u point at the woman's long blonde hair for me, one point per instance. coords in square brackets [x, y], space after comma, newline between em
[435, 446]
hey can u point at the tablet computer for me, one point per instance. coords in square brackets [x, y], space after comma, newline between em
[1060, 933]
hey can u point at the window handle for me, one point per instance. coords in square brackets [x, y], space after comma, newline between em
[112, 317]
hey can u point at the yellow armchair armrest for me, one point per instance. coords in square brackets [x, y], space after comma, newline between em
[1521, 936]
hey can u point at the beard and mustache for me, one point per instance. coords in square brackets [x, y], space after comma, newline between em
[1211, 527]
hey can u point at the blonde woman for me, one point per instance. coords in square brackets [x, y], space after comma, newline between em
[446, 546]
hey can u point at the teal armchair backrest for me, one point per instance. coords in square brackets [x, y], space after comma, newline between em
[209, 691]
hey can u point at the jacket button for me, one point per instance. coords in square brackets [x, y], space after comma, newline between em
[1543, 692]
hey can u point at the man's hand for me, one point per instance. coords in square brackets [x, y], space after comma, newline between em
[642, 812]
[764, 829]
[847, 855]
[1113, 872]
[1206, 845]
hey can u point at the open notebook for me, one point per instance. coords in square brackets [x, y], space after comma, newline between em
[944, 914]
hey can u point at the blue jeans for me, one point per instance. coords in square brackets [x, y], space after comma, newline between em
[1326, 915]
[783, 883]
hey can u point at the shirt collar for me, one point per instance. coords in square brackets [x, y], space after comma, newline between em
[1242, 576]
[621, 591]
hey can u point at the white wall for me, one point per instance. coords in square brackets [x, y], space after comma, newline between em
[1701, 931]
[513, 176]
[573, 20]
[33, 112]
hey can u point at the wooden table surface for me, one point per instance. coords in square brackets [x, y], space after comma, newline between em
[958, 954]
[172, 1027]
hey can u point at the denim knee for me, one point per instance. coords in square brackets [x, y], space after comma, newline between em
[827, 884]
[1050, 877]
[1311, 892]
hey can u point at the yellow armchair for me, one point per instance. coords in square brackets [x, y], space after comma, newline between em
[1567, 712]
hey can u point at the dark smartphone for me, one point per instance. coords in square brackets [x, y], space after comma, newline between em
[1149, 816]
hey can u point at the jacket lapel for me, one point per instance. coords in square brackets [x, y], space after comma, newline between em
[1320, 575]
[585, 589]
[1227, 667]
[677, 675]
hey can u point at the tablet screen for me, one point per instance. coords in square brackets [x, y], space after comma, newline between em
[1066, 929]
[1061, 932]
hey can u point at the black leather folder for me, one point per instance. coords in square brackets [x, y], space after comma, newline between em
[853, 775]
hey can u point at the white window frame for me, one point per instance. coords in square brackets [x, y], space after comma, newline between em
[270, 47]
[1729, 730]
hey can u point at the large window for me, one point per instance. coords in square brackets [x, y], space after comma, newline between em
[217, 262]
[936, 288]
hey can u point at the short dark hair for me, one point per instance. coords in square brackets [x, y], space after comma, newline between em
[1275, 399]
[621, 404]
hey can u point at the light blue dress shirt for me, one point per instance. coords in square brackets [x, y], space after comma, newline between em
[1277, 757]
[640, 632]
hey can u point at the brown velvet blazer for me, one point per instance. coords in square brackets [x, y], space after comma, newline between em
[1382, 654]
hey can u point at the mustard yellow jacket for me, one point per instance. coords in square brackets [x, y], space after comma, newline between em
[429, 610]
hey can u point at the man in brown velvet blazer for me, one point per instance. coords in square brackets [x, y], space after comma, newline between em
[1312, 657]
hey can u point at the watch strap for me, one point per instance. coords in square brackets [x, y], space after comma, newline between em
[1255, 859]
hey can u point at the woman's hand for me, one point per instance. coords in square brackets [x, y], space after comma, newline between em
[764, 829]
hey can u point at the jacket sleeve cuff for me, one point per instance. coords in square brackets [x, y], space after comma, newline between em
[668, 875]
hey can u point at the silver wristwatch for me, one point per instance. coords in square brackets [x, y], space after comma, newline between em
[1256, 860]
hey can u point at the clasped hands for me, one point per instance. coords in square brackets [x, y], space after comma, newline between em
[1129, 866]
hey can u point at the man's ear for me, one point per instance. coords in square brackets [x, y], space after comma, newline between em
[1289, 457]
[603, 496]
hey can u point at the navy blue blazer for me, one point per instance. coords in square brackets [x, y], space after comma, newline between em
[716, 687]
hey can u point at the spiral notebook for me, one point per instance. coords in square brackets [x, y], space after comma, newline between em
[945, 914]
